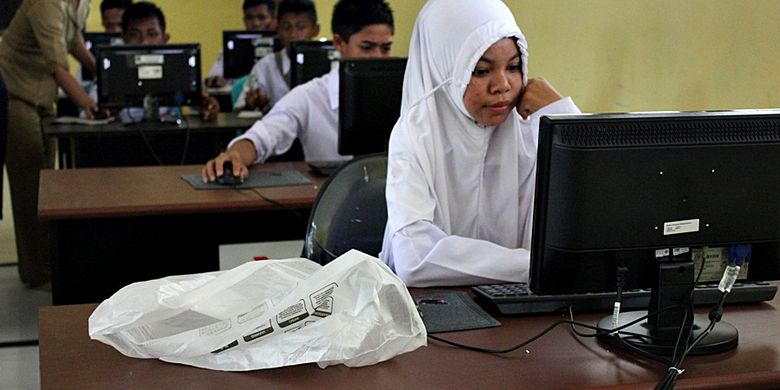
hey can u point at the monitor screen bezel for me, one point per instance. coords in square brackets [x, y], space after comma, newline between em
[192, 97]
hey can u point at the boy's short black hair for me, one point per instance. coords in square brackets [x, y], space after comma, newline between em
[350, 16]
[298, 7]
[106, 5]
[271, 4]
[142, 10]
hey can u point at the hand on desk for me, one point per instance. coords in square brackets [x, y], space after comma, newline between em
[256, 99]
[210, 108]
[213, 167]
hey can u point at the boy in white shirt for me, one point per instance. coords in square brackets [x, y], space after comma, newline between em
[269, 79]
[361, 28]
[258, 15]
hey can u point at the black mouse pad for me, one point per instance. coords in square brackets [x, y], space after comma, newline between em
[449, 311]
[255, 180]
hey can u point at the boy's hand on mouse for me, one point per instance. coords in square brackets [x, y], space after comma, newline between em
[537, 94]
[213, 167]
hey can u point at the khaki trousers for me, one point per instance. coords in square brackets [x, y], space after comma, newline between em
[27, 153]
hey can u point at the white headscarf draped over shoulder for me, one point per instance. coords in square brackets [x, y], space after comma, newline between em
[467, 179]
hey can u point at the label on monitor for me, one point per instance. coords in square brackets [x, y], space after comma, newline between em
[147, 59]
[679, 227]
[150, 72]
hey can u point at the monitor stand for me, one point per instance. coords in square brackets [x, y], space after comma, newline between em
[151, 113]
[659, 333]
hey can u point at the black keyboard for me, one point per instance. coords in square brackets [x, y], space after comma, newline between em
[516, 298]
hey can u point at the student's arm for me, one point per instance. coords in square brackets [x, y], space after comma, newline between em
[537, 94]
[210, 108]
[272, 135]
[249, 97]
[425, 256]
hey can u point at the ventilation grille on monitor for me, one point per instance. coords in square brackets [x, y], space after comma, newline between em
[710, 131]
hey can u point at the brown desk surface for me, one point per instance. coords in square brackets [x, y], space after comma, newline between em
[133, 191]
[69, 359]
[224, 121]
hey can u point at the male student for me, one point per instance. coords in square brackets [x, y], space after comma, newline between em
[143, 23]
[361, 28]
[269, 79]
[258, 15]
[111, 14]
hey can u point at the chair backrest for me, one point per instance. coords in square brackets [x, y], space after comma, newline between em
[350, 211]
[3, 135]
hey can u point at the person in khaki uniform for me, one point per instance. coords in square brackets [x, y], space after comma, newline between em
[33, 62]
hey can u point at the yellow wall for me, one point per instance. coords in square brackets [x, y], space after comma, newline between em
[610, 55]
[631, 55]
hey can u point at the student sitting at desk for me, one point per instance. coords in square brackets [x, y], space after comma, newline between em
[361, 28]
[269, 79]
[258, 15]
[462, 157]
[143, 23]
[111, 14]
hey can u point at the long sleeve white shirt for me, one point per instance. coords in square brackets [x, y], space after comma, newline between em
[308, 112]
[422, 254]
[267, 77]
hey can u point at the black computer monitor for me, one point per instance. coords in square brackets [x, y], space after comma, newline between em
[310, 59]
[168, 74]
[645, 191]
[93, 41]
[369, 103]
[241, 49]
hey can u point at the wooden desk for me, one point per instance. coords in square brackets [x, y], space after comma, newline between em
[69, 359]
[115, 226]
[115, 144]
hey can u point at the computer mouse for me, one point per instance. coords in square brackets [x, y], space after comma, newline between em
[228, 178]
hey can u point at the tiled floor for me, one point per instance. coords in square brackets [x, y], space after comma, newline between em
[19, 331]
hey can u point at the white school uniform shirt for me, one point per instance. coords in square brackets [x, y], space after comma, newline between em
[267, 76]
[218, 68]
[459, 194]
[310, 112]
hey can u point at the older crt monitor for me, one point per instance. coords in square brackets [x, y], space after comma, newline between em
[93, 41]
[369, 103]
[311, 59]
[241, 49]
[168, 74]
[644, 191]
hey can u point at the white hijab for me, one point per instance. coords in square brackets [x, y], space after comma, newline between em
[467, 179]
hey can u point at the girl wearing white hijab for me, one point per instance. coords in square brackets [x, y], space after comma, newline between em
[462, 160]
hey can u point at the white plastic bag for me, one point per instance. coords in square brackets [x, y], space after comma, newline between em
[266, 314]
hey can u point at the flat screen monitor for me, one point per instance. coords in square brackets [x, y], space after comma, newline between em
[169, 74]
[645, 192]
[242, 49]
[93, 41]
[369, 103]
[311, 59]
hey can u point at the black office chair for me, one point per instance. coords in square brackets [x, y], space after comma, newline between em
[3, 135]
[350, 211]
